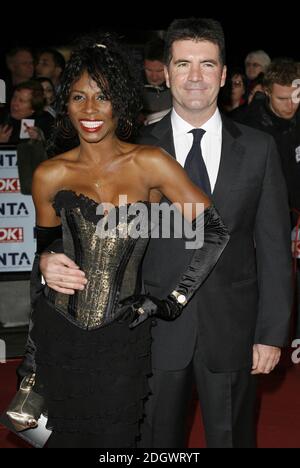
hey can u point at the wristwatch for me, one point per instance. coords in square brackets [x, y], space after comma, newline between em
[180, 298]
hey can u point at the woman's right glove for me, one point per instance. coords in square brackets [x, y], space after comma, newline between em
[204, 259]
[138, 308]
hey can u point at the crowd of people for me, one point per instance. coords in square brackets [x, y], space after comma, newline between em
[123, 327]
[30, 94]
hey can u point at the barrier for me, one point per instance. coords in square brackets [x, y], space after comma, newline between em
[17, 217]
[17, 243]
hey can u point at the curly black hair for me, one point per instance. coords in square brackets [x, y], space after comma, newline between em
[109, 64]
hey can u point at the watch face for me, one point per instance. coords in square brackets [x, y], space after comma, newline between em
[181, 299]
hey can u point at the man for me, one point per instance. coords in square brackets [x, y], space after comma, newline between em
[20, 63]
[234, 326]
[50, 64]
[157, 99]
[276, 112]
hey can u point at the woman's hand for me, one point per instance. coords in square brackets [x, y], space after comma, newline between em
[5, 133]
[139, 308]
[35, 133]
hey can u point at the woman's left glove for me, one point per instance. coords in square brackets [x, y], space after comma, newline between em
[139, 308]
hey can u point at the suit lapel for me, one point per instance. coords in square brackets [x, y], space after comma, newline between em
[230, 163]
[231, 154]
[164, 134]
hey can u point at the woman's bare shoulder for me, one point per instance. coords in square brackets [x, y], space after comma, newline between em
[55, 166]
[70, 155]
[155, 156]
[51, 174]
[152, 152]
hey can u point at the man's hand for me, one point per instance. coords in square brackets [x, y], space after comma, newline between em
[61, 273]
[265, 358]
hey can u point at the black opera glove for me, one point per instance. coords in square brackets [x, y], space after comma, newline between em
[216, 237]
[204, 259]
[139, 308]
[46, 237]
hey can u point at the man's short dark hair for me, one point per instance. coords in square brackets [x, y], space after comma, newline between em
[282, 72]
[58, 58]
[195, 29]
[11, 54]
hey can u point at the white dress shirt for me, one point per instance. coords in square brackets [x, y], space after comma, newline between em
[211, 143]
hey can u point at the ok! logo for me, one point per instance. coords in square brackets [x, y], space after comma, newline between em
[11, 234]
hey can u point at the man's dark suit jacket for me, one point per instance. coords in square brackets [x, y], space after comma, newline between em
[247, 297]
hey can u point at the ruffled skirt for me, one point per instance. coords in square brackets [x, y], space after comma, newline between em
[94, 382]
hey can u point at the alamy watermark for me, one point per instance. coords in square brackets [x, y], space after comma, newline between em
[155, 220]
[296, 354]
[2, 352]
[296, 93]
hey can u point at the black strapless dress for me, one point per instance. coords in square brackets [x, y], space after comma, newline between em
[91, 368]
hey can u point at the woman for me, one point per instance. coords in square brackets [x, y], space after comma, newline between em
[49, 94]
[27, 103]
[93, 347]
[233, 93]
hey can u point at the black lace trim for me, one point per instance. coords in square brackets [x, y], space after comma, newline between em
[69, 199]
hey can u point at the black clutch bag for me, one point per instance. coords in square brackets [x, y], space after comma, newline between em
[26, 408]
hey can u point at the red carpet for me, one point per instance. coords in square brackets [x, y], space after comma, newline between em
[278, 410]
[279, 416]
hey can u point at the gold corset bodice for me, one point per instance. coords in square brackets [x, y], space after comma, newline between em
[110, 262]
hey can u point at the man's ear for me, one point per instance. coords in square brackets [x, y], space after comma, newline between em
[167, 76]
[223, 76]
[267, 91]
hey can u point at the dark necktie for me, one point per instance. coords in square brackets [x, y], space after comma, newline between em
[195, 165]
